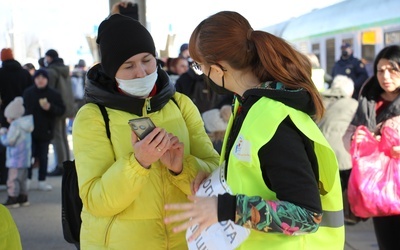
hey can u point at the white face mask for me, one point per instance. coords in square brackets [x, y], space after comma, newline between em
[139, 87]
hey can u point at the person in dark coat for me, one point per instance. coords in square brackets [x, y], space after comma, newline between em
[60, 80]
[195, 88]
[208, 102]
[13, 81]
[352, 67]
[45, 104]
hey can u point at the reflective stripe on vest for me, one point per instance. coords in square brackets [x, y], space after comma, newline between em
[332, 219]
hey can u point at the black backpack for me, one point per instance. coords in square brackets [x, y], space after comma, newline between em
[71, 205]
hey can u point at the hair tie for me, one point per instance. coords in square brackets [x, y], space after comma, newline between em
[249, 34]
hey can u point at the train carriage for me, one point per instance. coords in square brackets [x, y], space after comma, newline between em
[369, 25]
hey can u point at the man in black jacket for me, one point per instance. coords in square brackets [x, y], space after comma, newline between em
[60, 80]
[351, 67]
[196, 88]
[45, 104]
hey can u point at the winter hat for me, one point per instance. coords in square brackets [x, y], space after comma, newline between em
[15, 109]
[41, 62]
[52, 53]
[213, 120]
[81, 63]
[6, 54]
[345, 46]
[184, 47]
[41, 72]
[121, 37]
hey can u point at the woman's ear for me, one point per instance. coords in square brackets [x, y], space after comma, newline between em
[217, 70]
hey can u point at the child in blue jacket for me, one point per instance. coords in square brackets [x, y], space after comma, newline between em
[18, 141]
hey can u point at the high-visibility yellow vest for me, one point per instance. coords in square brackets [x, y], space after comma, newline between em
[244, 176]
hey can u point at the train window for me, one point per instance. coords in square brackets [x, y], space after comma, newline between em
[392, 37]
[316, 50]
[330, 54]
[368, 40]
[368, 52]
[367, 57]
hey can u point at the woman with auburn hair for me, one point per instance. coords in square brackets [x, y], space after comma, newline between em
[281, 170]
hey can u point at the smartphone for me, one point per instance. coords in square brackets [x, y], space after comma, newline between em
[141, 126]
[131, 10]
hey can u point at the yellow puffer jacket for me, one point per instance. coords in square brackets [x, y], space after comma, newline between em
[124, 202]
[9, 235]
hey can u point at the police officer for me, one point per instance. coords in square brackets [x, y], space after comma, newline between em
[351, 67]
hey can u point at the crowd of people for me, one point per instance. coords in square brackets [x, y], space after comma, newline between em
[46, 93]
[278, 130]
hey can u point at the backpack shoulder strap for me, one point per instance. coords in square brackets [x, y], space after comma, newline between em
[106, 120]
[176, 103]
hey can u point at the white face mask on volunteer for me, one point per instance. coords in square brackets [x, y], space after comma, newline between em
[138, 87]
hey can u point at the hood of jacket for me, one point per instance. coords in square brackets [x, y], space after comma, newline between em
[59, 66]
[103, 90]
[298, 99]
[11, 65]
[334, 92]
[25, 123]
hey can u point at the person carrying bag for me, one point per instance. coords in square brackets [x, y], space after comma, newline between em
[376, 147]
[374, 184]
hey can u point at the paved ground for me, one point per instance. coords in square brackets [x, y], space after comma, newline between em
[40, 223]
[361, 237]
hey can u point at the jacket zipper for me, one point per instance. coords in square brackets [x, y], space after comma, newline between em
[148, 105]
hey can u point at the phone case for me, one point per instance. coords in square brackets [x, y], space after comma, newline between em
[141, 126]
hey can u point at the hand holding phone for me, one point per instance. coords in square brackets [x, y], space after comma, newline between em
[146, 151]
[141, 126]
[164, 146]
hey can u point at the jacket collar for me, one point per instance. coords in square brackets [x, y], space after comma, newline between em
[102, 90]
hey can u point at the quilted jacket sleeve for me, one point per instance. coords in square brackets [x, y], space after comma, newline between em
[202, 156]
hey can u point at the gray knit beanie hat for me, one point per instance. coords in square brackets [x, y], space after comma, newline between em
[15, 109]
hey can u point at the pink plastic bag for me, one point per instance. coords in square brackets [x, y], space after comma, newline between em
[374, 184]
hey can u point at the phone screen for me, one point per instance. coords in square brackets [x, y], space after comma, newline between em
[141, 126]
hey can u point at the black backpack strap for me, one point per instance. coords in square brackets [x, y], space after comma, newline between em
[176, 103]
[71, 202]
[106, 119]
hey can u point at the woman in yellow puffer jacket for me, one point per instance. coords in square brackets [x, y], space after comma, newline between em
[9, 235]
[124, 182]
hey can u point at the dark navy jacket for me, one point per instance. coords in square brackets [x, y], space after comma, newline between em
[352, 68]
